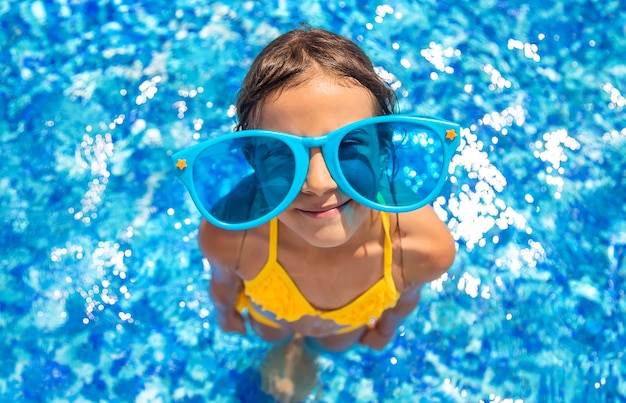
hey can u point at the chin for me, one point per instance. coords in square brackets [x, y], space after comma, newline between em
[329, 232]
[330, 240]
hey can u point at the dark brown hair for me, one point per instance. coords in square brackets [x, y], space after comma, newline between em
[293, 58]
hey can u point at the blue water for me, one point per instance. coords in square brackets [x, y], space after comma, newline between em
[103, 294]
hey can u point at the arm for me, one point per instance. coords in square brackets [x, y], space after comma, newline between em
[391, 318]
[225, 284]
[224, 289]
[384, 330]
[428, 251]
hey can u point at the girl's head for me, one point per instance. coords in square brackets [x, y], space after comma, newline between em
[300, 55]
[310, 82]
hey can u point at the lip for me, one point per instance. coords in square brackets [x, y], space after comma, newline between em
[324, 211]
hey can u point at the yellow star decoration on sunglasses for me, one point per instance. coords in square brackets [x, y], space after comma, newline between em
[451, 134]
[181, 164]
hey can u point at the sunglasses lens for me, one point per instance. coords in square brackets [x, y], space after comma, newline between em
[360, 160]
[242, 180]
[395, 164]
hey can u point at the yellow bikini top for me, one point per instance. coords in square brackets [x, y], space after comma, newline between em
[274, 291]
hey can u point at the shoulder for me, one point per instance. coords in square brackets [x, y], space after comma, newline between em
[427, 246]
[219, 245]
[228, 249]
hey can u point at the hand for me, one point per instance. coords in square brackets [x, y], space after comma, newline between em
[232, 323]
[375, 338]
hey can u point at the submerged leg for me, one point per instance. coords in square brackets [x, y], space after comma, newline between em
[289, 371]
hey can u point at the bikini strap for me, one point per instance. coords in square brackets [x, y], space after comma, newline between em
[273, 243]
[388, 248]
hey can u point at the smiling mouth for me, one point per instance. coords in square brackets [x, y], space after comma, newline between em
[325, 212]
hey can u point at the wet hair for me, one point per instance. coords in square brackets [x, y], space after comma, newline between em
[299, 55]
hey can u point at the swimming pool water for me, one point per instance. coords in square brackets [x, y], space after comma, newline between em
[102, 289]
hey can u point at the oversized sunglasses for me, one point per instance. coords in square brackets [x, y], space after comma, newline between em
[393, 163]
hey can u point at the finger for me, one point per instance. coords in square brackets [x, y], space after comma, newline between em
[373, 341]
[233, 324]
[367, 336]
[240, 325]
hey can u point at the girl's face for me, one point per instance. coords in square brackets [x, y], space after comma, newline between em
[322, 214]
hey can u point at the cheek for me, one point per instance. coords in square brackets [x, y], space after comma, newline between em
[354, 215]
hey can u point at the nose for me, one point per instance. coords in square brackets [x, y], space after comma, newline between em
[318, 179]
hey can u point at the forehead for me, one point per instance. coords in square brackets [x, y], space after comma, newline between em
[317, 106]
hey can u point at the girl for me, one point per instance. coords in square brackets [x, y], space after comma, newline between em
[326, 267]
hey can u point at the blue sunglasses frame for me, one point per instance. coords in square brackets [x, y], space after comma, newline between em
[447, 131]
